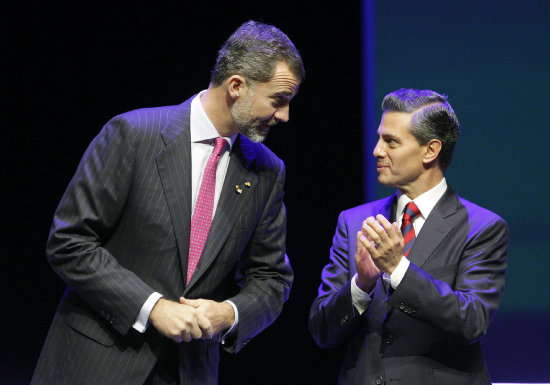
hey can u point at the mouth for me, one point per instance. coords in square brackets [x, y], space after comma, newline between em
[381, 167]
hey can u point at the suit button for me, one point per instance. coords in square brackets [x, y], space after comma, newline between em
[401, 306]
[379, 381]
[389, 339]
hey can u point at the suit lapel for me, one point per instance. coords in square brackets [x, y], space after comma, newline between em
[174, 166]
[232, 202]
[435, 229]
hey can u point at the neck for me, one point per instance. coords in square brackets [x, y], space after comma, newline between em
[217, 106]
[423, 183]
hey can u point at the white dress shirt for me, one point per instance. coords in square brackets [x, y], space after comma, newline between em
[203, 133]
[425, 203]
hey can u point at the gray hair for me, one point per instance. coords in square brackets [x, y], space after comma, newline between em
[433, 118]
[253, 52]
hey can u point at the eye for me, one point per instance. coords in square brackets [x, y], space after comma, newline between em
[392, 142]
[280, 101]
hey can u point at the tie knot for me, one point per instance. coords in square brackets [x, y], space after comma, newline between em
[220, 146]
[411, 211]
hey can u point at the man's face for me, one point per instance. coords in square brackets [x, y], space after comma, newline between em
[398, 153]
[265, 104]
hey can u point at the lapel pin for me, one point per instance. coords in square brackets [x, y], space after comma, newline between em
[238, 189]
[247, 184]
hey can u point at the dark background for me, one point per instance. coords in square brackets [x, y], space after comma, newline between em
[70, 67]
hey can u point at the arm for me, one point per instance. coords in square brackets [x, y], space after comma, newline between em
[332, 316]
[463, 300]
[84, 221]
[463, 309]
[267, 275]
[84, 224]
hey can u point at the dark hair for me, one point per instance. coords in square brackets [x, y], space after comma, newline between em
[253, 51]
[433, 118]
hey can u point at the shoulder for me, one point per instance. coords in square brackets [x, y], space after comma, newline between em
[359, 213]
[146, 119]
[477, 212]
[480, 218]
[259, 156]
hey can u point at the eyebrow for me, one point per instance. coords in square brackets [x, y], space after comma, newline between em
[283, 93]
[388, 136]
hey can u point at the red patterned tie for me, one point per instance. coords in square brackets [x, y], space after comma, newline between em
[202, 215]
[407, 229]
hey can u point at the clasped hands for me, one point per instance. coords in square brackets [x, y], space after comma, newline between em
[191, 318]
[379, 249]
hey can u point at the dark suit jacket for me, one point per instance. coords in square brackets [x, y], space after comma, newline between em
[122, 231]
[428, 330]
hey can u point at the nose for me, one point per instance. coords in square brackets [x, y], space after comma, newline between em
[282, 114]
[379, 151]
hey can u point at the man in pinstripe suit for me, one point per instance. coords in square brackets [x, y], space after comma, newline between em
[416, 319]
[120, 236]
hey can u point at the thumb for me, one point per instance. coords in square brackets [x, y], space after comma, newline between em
[190, 302]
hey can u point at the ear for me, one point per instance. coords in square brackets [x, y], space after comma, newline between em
[236, 86]
[432, 150]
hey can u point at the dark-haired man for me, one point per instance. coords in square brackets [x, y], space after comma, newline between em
[415, 278]
[171, 235]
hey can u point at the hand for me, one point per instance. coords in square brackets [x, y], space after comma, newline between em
[367, 272]
[220, 314]
[180, 322]
[386, 249]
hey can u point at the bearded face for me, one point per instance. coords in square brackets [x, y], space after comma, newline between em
[264, 104]
[251, 126]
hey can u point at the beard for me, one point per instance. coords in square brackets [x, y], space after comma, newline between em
[253, 128]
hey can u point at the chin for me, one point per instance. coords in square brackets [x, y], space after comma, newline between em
[255, 137]
[384, 181]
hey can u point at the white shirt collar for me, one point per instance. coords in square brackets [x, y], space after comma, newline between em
[425, 202]
[202, 128]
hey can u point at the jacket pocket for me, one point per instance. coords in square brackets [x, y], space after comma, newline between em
[90, 327]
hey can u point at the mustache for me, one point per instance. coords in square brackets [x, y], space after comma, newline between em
[269, 122]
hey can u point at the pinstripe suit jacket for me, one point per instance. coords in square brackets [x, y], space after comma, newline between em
[428, 330]
[122, 231]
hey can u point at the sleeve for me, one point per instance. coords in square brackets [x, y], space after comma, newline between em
[332, 315]
[464, 309]
[267, 275]
[86, 218]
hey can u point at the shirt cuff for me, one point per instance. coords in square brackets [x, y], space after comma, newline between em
[234, 327]
[142, 320]
[360, 299]
[397, 276]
